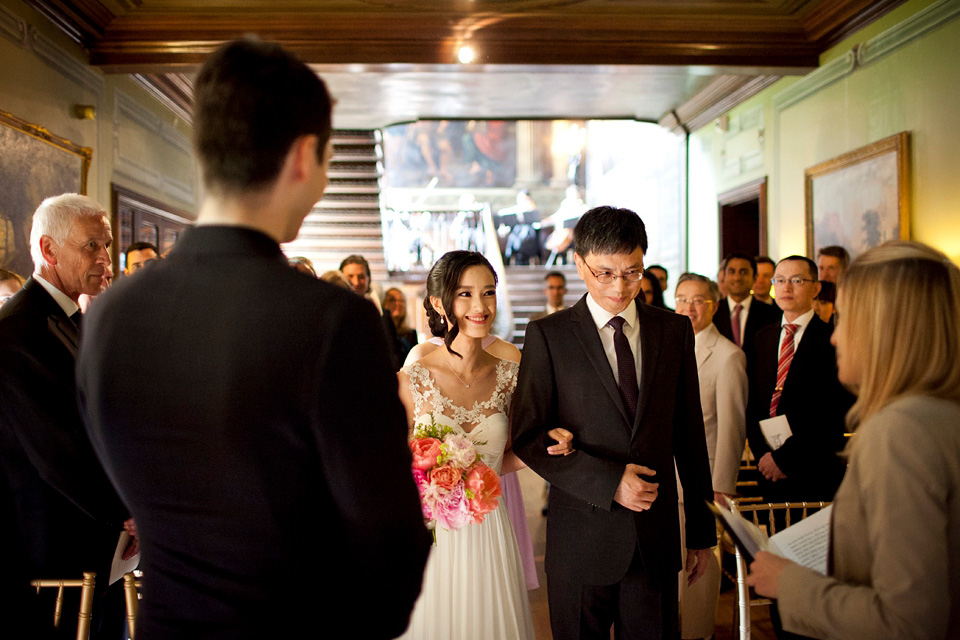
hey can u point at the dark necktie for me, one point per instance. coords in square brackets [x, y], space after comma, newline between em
[735, 325]
[76, 317]
[626, 366]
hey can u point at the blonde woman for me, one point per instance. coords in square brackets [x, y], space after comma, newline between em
[895, 539]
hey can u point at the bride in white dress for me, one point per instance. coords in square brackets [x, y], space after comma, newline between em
[473, 586]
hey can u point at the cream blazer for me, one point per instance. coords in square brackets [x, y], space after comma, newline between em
[895, 543]
[722, 368]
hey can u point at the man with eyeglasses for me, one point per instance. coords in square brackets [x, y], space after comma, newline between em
[793, 373]
[622, 377]
[722, 367]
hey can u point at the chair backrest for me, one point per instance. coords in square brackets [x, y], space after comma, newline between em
[86, 600]
[773, 515]
[132, 596]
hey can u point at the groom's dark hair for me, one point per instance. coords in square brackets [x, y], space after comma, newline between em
[605, 230]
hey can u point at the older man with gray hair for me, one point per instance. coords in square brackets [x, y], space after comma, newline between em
[722, 368]
[60, 514]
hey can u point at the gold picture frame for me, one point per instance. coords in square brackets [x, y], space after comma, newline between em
[860, 199]
[34, 164]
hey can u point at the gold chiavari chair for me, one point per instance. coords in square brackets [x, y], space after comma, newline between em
[86, 600]
[131, 586]
[767, 515]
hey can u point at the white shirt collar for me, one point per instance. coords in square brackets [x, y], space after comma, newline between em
[745, 304]
[69, 306]
[802, 321]
[601, 316]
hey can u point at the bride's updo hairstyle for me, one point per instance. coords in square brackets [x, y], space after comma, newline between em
[442, 282]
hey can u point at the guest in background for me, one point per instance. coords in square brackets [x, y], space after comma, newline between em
[662, 275]
[303, 265]
[823, 304]
[61, 515]
[554, 288]
[139, 255]
[335, 276]
[793, 372]
[895, 533]
[10, 283]
[356, 270]
[831, 261]
[652, 293]
[722, 369]
[395, 304]
[738, 319]
[764, 280]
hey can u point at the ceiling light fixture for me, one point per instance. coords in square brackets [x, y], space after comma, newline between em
[465, 54]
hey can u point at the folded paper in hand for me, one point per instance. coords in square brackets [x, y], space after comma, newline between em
[775, 430]
[805, 543]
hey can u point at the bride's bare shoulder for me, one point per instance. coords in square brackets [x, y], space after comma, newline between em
[504, 350]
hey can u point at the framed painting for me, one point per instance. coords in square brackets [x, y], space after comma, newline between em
[34, 164]
[860, 199]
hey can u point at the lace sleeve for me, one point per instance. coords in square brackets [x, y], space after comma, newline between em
[419, 383]
[506, 384]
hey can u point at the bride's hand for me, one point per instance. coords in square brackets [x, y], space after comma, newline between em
[565, 440]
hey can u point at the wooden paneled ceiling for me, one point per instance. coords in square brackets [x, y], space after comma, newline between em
[535, 58]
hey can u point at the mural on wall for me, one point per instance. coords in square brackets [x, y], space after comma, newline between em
[462, 153]
[860, 199]
[34, 165]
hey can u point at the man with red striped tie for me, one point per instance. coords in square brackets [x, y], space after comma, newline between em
[792, 369]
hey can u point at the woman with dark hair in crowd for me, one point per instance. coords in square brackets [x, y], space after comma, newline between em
[460, 385]
[895, 526]
[652, 294]
[395, 304]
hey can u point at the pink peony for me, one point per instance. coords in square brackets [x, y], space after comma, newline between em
[426, 491]
[452, 511]
[445, 477]
[483, 487]
[425, 452]
[459, 450]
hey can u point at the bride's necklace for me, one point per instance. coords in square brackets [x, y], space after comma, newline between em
[450, 364]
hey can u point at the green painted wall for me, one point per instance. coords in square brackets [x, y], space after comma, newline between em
[137, 142]
[914, 87]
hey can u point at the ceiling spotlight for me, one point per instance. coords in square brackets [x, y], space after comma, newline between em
[465, 54]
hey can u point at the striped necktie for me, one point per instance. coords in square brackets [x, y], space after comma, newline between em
[783, 365]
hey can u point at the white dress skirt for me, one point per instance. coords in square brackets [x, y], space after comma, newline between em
[473, 586]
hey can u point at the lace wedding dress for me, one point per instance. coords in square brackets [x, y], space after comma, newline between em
[473, 587]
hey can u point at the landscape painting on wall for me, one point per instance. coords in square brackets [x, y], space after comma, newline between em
[34, 164]
[860, 199]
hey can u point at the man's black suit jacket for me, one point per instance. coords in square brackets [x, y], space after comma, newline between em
[815, 404]
[760, 316]
[60, 514]
[565, 380]
[249, 415]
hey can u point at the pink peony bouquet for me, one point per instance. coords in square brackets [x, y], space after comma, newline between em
[456, 487]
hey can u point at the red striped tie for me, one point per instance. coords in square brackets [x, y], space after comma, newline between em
[783, 366]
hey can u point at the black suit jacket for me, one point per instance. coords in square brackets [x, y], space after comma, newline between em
[815, 404]
[565, 381]
[760, 316]
[250, 418]
[60, 514]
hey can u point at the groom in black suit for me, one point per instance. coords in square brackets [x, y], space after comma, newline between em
[59, 514]
[622, 377]
[246, 411]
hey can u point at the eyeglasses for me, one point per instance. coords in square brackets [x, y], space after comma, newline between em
[795, 281]
[696, 301]
[606, 277]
